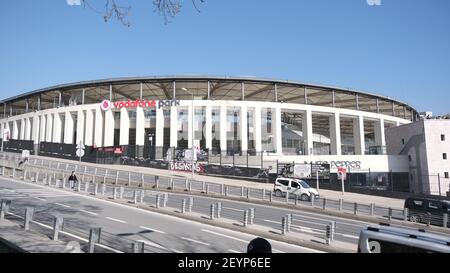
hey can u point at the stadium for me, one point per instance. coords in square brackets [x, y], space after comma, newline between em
[242, 122]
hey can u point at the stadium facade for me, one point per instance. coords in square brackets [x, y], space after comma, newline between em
[144, 117]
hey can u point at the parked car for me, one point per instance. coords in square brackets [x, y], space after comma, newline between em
[294, 187]
[387, 239]
[422, 210]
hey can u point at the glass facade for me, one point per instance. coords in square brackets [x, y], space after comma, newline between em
[233, 130]
[292, 133]
[267, 130]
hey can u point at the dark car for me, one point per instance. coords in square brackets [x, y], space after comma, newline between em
[427, 210]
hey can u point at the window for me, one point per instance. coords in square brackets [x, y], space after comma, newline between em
[283, 182]
[446, 175]
[384, 246]
[444, 156]
[294, 184]
[442, 137]
[403, 141]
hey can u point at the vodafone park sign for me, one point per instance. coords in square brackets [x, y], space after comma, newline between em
[106, 104]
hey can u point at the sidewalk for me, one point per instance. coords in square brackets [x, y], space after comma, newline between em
[329, 194]
[16, 238]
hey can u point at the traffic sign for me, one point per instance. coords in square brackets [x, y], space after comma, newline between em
[80, 152]
[81, 146]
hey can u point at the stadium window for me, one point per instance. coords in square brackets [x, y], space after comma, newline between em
[444, 156]
[403, 141]
[446, 175]
[442, 137]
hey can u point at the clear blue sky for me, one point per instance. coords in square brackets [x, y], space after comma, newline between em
[400, 49]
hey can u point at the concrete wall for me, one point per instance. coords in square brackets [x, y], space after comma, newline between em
[422, 142]
[435, 147]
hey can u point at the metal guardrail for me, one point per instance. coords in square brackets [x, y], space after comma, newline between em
[65, 230]
[111, 184]
[147, 181]
[98, 186]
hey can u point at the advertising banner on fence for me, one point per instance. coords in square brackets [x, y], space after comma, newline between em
[302, 171]
[184, 166]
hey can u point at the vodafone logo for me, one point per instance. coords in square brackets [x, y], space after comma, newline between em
[105, 105]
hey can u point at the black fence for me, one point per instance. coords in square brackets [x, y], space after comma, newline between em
[17, 146]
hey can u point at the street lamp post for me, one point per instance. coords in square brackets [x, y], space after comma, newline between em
[192, 130]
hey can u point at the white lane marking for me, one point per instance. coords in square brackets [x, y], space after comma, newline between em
[277, 251]
[271, 221]
[176, 251]
[297, 227]
[233, 209]
[195, 241]
[152, 229]
[62, 205]
[314, 223]
[152, 244]
[234, 251]
[116, 220]
[328, 220]
[88, 212]
[42, 199]
[307, 230]
[348, 235]
[226, 236]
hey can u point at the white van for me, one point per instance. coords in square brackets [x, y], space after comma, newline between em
[294, 187]
[387, 239]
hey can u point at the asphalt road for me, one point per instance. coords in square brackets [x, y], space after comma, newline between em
[235, 191]
[122, 225]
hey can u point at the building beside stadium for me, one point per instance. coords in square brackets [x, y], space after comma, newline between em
[239, 121]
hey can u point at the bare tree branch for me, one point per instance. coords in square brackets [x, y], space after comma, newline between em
[166, 8]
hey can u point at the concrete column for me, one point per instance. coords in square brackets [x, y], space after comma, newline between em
[276, 130]
[57, 128]
[22, 129]
[35, 134]
[80, 127]
[28, 129]
[335, 134]
[307, 130]
[49, 130]
[89, 127]
[243, 128]
[68, 128]
[43, 127]
[190, 126]
[124, 127]
[380, 139]
[208, 127]
[98, 141]
[173, 126]
[257, 129]
[223, 128]
[140, 126]
[109, 128]
[15, 130]
[358, 135]
[159, 142]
